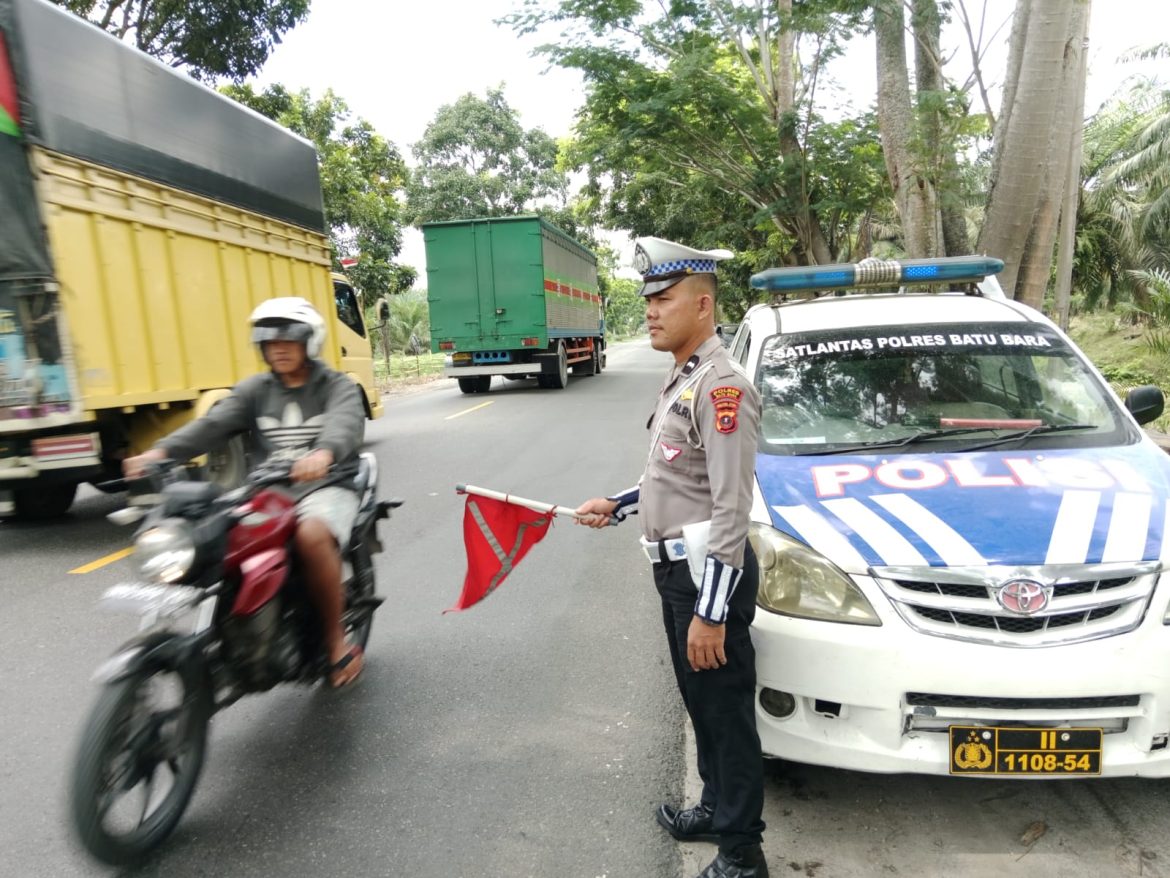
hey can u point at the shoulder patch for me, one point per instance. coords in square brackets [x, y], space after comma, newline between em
[726, 400]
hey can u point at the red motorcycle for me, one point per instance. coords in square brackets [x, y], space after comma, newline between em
[222, 563]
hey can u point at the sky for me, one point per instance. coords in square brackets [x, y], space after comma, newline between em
[395, 63]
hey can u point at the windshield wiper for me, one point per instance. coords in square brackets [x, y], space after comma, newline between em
[920, 436]
[1031, 431]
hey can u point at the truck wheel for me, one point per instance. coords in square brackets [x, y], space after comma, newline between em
[227, 466]
[42, 502]
[475, 383]
[559, 379]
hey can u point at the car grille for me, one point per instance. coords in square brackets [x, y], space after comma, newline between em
[982, 702]
[1087, 602]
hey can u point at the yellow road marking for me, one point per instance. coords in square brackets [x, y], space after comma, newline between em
[102, 562]
[468, 411]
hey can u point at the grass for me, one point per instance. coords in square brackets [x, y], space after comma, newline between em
[407, 369]
[1120, 351]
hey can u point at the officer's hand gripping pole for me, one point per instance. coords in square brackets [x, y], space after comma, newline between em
[534, 505]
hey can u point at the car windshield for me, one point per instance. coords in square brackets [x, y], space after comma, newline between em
[940, 385]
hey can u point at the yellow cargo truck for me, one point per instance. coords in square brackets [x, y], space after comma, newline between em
[142, 218]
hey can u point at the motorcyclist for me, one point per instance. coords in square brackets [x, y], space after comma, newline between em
[307, 413]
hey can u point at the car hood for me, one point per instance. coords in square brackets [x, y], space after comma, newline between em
[1080, 506]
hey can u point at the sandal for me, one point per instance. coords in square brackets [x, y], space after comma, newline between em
[355, 653]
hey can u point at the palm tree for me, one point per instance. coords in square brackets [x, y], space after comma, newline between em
[409, 327]
[1124, 209]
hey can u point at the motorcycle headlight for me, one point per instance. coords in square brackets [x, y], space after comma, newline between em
[798, 581]
[165, 552]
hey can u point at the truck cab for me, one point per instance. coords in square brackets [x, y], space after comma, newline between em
[354, 343]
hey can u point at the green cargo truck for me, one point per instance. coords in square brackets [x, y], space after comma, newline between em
[512, 296]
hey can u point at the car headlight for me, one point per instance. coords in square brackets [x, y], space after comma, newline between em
[165, 552]
[798, 581]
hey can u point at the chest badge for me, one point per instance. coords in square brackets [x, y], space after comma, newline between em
[726, 401]
[669, 451]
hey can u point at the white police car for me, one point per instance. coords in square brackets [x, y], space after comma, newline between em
[962, 534]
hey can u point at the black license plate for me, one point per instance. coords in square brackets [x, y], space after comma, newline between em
[1024, 752]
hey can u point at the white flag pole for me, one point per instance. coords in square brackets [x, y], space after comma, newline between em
[534, 505]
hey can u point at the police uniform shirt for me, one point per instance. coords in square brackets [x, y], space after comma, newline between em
[702, 462]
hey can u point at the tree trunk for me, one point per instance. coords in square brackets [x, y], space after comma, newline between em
[1036, 264]
[1031, 140]
[914, 194]
[944, 173]
[1072, 182]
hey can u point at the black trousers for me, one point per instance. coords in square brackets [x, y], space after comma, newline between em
[721, 703]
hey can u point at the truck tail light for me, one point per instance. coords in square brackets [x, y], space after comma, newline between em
[446, 345]
[65, 447]
[531, 342]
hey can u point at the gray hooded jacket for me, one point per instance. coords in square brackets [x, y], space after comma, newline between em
[285, 423]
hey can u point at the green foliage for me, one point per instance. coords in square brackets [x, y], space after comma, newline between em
[1154, 314]
[476, 160]
[408, 331]
[1125, 374]
[361, 173]
[408, 368]
[213, 39]
[625, 311]
[1123, 218]
[684, 133]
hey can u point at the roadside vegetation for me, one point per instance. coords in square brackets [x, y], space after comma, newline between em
[720, 123]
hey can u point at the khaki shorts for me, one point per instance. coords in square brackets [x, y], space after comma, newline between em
[337, 507]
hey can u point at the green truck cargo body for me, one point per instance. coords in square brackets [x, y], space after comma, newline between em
[512, 296]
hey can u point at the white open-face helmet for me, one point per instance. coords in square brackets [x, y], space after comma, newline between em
[288, 318]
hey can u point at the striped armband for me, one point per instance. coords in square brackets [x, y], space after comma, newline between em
[719, 582]
[627, 502]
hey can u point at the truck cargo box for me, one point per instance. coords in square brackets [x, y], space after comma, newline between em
[142, 217]
[86, 94]
[508, 283]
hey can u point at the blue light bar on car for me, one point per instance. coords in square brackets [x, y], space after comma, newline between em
[877, 273]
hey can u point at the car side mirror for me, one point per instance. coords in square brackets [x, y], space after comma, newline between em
[382, 308]
[1145, 403]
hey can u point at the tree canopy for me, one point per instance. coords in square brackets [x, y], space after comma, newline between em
[213, 39]
[475, 159]
[361, 172]
[699, 123]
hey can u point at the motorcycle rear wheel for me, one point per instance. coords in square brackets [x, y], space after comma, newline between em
[127, 747]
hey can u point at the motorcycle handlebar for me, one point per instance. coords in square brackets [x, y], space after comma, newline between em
[151, 470]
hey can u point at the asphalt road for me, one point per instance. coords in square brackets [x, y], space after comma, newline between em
[530, 736]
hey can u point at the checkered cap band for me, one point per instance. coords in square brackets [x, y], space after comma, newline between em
[693, 266]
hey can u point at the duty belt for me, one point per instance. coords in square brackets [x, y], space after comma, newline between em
[662, 551]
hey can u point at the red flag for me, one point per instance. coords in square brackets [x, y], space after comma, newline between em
[497, 535]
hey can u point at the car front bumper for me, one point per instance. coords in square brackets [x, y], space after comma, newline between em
[881, 699]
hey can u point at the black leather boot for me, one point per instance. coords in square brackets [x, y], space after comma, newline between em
[745, 862]
[692, 824]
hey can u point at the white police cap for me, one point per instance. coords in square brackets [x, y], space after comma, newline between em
[663, 263]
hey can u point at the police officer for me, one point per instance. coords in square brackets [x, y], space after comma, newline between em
[700, 472]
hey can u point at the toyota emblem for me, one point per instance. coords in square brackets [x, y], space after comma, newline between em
[1024, 597]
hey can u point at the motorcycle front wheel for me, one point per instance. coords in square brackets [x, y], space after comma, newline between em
[138, 762]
